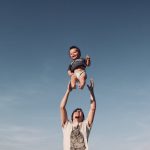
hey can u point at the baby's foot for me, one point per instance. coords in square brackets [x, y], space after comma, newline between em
[73, 86]
[81, 86]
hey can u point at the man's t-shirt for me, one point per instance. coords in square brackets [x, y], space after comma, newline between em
[76, 137]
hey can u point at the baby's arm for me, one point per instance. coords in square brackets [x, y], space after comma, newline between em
[70, 73]
[88, 60]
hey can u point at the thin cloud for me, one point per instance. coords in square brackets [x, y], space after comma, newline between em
[21, 136]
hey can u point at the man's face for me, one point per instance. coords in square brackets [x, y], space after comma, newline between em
[78, 115]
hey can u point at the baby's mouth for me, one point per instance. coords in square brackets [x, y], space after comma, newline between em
[74, 57]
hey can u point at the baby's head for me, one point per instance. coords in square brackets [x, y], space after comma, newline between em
[74, 52]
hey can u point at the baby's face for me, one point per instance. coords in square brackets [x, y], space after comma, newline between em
[74, 54]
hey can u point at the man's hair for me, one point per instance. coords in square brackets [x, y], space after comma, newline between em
[75, 111]
[77, 48]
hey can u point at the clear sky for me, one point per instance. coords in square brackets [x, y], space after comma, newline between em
[34, 39]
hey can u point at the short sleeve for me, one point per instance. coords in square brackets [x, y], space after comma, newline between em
[84, 61]
[69, 67]
[87, 124]
[65, 125]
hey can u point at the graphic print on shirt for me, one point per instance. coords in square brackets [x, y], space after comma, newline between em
[77, 140]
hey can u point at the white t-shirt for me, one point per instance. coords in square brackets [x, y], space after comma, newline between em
[76, 137]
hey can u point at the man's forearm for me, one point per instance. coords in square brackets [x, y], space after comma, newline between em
[63, 110]
[92, 110]
[93, 101]
[64, 99]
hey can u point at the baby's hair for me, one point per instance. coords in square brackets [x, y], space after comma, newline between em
[75, 111]
[77, 48]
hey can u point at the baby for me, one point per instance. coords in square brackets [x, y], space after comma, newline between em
[76, 69]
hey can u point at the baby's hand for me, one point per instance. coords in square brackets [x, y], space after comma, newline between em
[88, 60]
[71, 74]
[87, 57]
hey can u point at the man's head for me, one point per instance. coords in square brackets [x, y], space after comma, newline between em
[78, 115]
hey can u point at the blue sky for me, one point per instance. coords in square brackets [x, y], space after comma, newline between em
[34, 40]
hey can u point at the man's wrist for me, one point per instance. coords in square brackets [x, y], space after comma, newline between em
[91, 101]
[68, 91]
[92, 97]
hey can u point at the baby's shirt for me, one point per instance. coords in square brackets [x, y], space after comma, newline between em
[81, 62]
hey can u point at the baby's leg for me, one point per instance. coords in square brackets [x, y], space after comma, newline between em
[73, 81]
[82, 80]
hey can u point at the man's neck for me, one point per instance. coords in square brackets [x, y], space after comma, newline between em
[76, 122]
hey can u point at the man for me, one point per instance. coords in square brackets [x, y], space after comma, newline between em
[76, 132]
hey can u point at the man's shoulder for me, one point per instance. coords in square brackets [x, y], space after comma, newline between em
[86, 124]
[68, 123]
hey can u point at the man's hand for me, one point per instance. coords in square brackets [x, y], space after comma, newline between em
[91, 86]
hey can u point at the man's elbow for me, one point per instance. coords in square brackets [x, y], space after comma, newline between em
[93, 109]
[62, 107]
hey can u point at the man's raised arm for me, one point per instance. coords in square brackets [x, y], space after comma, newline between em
[63, 111]
[92, 110]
